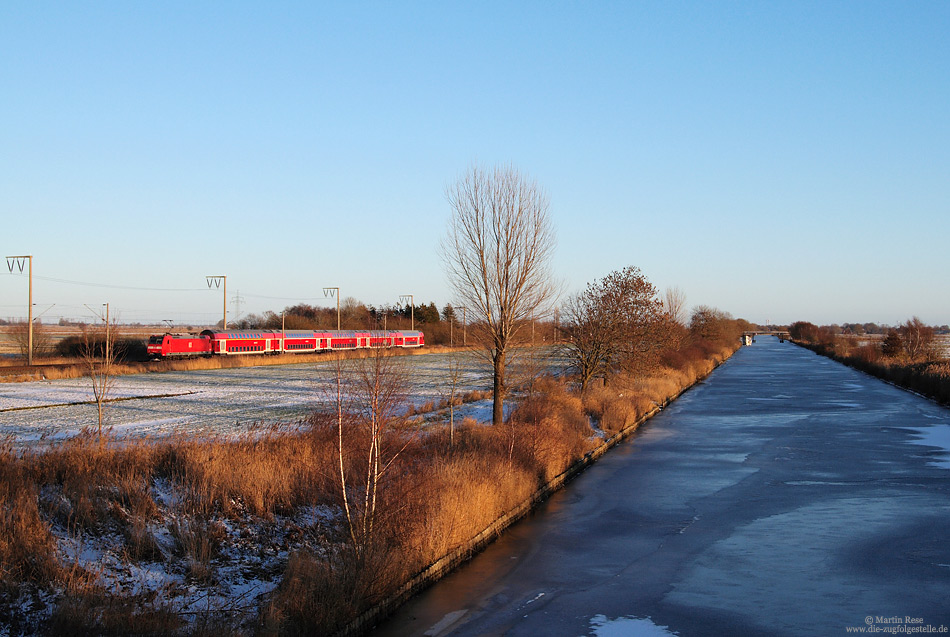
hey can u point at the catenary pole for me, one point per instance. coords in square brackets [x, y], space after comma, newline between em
[219, 281]
[330, 292]
[18, 261]
[412, 310]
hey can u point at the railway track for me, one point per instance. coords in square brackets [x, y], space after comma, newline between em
[14, 370]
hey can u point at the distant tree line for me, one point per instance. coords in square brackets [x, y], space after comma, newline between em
[869, 329]
[911, 342]
[356, 315]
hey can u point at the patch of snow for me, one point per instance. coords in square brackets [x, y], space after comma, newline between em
[627, 627]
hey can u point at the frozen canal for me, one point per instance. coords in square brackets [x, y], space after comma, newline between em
[787, 495]
[220, 401]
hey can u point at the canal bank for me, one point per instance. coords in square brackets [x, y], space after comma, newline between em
[448, 563]
[785, 495]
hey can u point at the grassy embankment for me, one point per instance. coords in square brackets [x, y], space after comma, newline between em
[441, 498]
[929, 378]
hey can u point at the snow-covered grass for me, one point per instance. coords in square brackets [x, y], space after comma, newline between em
[244, 562]
[203, 527]
[243, 530]
[219, 401]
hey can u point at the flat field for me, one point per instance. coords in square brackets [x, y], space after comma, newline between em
[216, 401]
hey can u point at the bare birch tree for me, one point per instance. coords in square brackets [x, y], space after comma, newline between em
[451, 379]
[370, 399]
[497, 256]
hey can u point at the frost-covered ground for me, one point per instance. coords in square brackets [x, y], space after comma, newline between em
[221, 401]
[247, 563]
[250, 553]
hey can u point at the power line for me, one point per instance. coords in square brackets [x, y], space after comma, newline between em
[284, 298]
[115, 287]
[150, 289]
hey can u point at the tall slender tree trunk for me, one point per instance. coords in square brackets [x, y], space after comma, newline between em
[498, 402]
[339, 425]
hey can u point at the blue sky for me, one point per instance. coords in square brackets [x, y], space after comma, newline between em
[780, 161]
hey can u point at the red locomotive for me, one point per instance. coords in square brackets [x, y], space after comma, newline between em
[244, 342]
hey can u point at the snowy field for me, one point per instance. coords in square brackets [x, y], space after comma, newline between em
[221, 401]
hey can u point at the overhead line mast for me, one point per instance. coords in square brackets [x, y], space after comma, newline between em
[217, 281]
[19, 262]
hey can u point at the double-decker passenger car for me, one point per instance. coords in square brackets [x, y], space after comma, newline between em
[246, 342]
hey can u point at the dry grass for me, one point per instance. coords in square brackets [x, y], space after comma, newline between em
[27, 547]
[446, 494]
[256, 474]
[93, 488]
[436, 496]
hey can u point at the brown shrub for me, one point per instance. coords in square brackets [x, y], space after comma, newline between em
[551, 427]
[27, 547]
[198, 541]
[96, 481]
[868, 353]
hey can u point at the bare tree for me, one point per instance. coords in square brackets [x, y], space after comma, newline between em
[917, 338]
[42, 341]
[369, 395]
[497, 256]
[591, 334]
[674, 303]
[451, 381]
[354, 312]
[100, 355]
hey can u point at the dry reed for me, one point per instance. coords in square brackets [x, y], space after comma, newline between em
[437, 495]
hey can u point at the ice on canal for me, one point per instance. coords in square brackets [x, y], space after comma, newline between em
[627, 627]
[221, 401]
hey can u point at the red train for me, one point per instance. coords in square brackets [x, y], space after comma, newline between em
[244, 342]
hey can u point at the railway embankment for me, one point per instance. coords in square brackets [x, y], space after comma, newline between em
[60, 368]
[447, 563]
